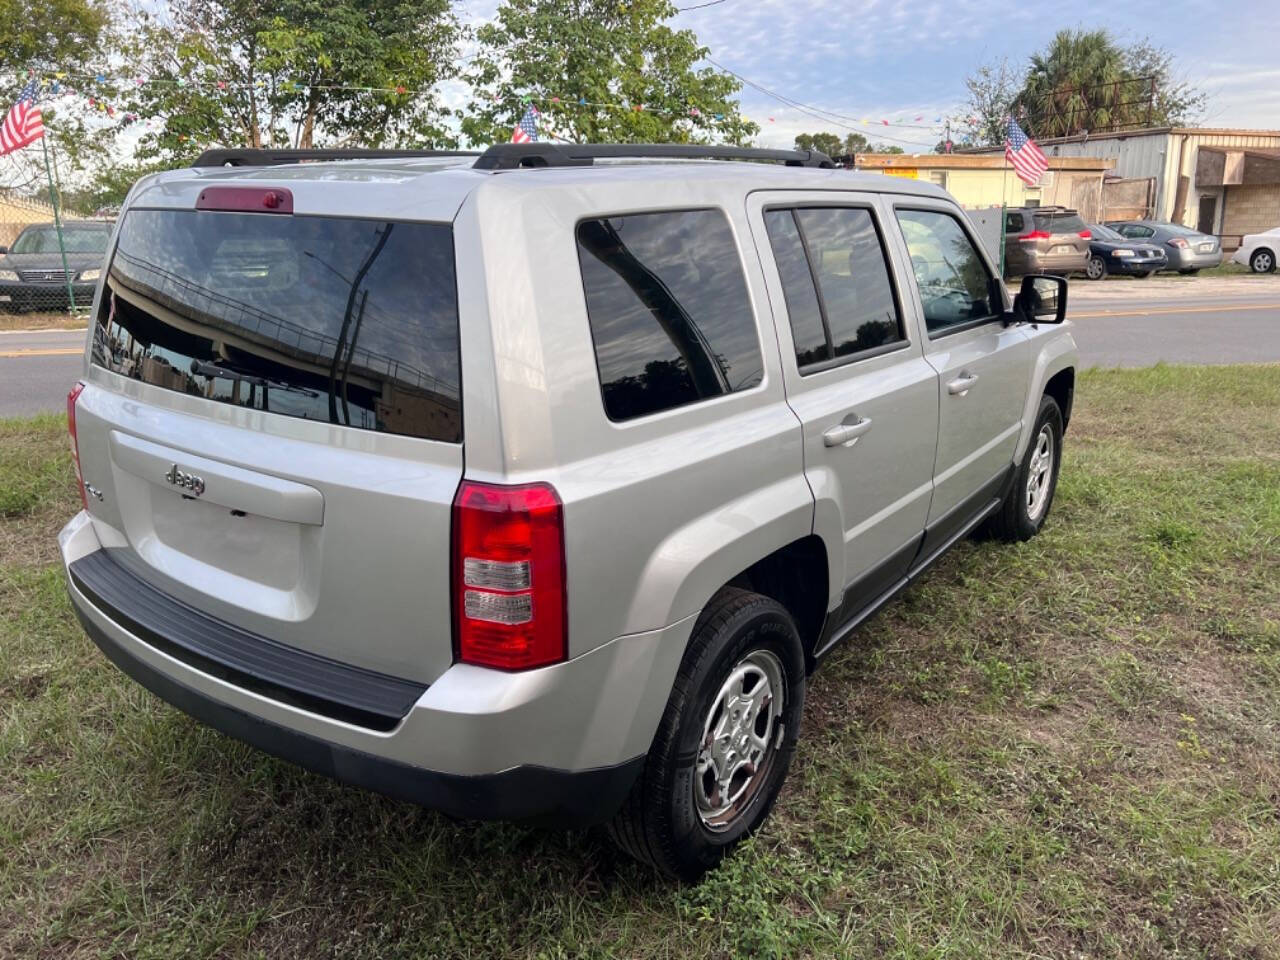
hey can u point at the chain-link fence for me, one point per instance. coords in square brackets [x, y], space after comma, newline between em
[49, 264]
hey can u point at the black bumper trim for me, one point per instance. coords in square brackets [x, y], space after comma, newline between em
[265, 666]
[526, 793]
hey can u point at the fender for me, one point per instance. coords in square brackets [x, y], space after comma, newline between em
[697, 559]
[1054, 349]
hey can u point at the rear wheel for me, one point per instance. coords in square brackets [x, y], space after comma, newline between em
[725, 741]
[1095, 269]
[1262, 261]
[1026, 507]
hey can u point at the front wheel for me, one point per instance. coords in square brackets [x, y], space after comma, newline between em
[1262, 261]
[1026, 507]
[1096, 269]
[725, 741]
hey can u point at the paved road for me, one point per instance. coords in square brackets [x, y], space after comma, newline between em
[37, 369]
[1138, 329]
[1117, 324]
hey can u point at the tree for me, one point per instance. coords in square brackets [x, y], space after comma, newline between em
[259, 74]
[48, 35]
[833, 146]
[992, 89]
[599, 70]
[1085, 80]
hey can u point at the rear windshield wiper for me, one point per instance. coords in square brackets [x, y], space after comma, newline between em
[203, 368]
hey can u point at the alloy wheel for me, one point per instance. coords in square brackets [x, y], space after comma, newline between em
[1040, 474]
[740, 739]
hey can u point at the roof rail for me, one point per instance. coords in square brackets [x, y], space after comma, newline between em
[248, 157]
[510, 156]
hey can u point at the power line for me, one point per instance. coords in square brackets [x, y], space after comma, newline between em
[826, 116]
[699, 6]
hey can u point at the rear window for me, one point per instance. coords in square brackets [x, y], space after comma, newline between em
[1059, 222]
[668, 308]
[353, 322]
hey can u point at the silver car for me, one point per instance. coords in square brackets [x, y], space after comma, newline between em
[535, 484]
[1189, 251]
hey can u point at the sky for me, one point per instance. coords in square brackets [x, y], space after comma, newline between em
[906, 58]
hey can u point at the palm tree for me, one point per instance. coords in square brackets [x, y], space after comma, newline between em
[1082, 82]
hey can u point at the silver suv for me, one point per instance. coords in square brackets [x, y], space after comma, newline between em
[534, 484]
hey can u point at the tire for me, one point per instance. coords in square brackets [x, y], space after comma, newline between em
[1024, 510]
[1189, 271]
[1147, 275]
[1262, 261]
[670, 820]
[1096, 269]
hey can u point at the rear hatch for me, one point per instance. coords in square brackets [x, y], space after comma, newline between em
[1065, 235]
[273, 423]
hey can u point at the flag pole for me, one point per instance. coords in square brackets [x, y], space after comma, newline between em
[1004, 202]
[57, 222]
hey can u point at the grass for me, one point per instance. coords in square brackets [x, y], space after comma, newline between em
[1065, 748]
[42, 320]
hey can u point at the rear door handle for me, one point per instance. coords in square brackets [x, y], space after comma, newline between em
[961, 384]
[846, 434]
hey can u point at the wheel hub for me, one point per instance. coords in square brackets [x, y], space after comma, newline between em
[739, 739]
[1040, 474]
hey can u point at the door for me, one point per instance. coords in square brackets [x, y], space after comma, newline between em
[856, 377]
[983, 365]
[1208, 214]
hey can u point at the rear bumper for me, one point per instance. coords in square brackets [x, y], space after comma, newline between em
[1193, 260]
[558, 745]
[1020, 262]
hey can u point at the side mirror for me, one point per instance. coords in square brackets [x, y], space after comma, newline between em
[1042, 299]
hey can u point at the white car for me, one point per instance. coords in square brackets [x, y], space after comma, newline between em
[1258, 251]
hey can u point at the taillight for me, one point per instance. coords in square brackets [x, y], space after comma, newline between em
[72, 397]
[508, 575]
[1178, 242]
[1034, 235]
[1086, 234]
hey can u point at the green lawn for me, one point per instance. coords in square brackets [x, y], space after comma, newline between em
[1067, 748]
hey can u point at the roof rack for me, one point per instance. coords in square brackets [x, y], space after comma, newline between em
[510, 156]
[248, 157]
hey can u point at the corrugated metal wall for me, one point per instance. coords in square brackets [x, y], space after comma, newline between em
[1158, 155]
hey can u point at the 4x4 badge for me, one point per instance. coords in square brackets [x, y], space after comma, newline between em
[188, 481]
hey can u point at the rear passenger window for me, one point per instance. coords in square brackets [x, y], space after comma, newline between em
[1013, 223]
[668, 308]
[840, 299]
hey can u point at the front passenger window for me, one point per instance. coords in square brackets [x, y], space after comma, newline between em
[955, 287]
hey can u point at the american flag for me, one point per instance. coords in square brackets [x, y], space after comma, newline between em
[1029, 161]
[526, 130]
[22, 125]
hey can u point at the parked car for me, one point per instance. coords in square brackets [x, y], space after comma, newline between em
[1044, 240]
[32, 274]
[1109, 252]
[1189, 251]
[1258, 251]
[526, 487]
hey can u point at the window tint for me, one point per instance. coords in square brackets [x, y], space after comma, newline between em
[352, 322]
[808, 330]
[668, 308]
[1013, 223]
[853, 278]
[955, 286]
[852, 308]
